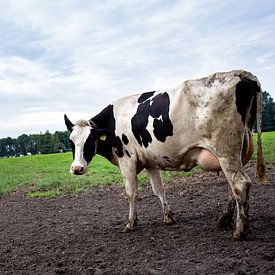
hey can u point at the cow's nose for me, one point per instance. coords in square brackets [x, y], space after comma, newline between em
[77, 170]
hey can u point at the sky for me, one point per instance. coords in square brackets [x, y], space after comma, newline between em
[77, 56]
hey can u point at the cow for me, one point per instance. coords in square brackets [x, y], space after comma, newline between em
[204, 122]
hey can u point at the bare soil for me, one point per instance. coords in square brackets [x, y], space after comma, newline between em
[82, 234]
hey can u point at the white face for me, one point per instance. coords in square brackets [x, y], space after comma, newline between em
[83, 147]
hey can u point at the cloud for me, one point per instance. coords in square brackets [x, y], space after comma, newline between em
[78, 56]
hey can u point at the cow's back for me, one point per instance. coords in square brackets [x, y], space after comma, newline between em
[199, 113]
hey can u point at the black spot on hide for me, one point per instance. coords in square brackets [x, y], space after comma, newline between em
[89, 148]
[246, 91]
[145, 96]
[73, 148]
[106, 120]
[119, 147]
[158, 108]
[167, 158]
[125, 139]
[127, 153]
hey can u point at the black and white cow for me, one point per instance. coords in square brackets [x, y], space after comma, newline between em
[205, 122]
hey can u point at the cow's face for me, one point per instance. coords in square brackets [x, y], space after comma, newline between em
[83, 139]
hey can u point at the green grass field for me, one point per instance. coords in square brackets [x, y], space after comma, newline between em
[48, 175]
[268, 139]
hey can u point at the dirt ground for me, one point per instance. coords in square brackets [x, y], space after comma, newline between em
[83, 234]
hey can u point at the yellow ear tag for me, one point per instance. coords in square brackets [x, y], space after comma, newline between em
[103, 137]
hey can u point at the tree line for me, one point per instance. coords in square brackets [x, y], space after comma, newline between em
[48, 143]
[268, 113]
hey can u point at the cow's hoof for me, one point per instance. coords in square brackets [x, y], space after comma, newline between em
[225, 222]
[127, 229]
[131, 227]
[241, 236]
[169, 219]
[135, 222]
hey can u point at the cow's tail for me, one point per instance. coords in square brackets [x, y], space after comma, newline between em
[261, 166]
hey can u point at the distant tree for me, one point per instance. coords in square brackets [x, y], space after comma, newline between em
[45, 145]
[58, 146]
[2, 148]
[8, 147]
[268, 112]
[63, 139]
[23, 142]
[33, 143]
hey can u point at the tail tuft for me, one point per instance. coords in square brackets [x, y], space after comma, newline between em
[261, 166]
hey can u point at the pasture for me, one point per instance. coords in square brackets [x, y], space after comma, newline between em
[49, 225]
[48, 175]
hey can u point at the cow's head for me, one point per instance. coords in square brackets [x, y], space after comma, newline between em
[84, 136]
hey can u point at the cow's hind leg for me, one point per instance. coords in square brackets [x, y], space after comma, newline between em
[226, 219]
[240, 184]
[159, 191]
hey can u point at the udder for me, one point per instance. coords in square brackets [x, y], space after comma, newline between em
[203, 158]
[209, 162]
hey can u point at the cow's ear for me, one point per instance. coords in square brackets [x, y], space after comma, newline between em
[68, 123]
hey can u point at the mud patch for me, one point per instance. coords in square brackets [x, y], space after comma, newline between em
[83, 234]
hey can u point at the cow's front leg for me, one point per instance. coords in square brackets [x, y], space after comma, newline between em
[159, 191]
[131, 192]
[130, 180]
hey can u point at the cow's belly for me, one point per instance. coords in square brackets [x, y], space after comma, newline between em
[182, 158]
[197, 157]
[194, 157]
